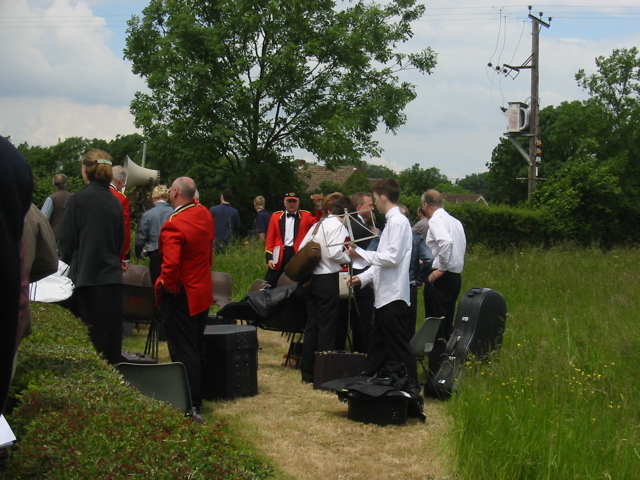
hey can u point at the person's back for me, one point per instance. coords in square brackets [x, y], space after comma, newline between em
[59, 200]
[94, 220]
[55, 204]
[226, 220]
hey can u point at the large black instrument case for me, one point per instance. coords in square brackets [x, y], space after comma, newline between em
[477, 331]
[337, 364]
[479, 323]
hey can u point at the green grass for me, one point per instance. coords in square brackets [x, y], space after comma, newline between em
[561, 401]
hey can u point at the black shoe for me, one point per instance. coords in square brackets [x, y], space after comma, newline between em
[195, 415]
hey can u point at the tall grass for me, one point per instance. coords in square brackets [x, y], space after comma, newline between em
[561, 401]
[245, 262]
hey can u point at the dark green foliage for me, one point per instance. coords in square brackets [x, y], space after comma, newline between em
[76, 419]
[477, 183]
[64, 157]
[584, 197]
[377, 171]
[236, 85]
[507, 169]
[412, 202]
[416, 181]
[500, 227]
[590, 164]
[357, 182]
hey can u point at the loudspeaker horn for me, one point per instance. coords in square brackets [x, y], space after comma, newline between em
[138, 176]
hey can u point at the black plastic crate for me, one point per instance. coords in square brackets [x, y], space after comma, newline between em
[230, 363]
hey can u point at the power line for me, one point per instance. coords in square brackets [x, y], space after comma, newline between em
[432, 15]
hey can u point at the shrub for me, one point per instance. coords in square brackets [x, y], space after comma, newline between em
[501, 227]
[75, 418]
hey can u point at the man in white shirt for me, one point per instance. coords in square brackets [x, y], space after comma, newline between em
[322, 295]
[389, 274]
[448, 243]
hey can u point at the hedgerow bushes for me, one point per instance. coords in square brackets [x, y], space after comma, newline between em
[75, 418]
[502, 227]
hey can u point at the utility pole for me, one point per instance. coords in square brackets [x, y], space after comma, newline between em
[532, 157]
[534, 140]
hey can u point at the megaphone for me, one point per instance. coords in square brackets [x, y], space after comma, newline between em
[138, 176]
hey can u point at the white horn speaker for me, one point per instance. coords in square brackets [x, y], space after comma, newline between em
[140, 176]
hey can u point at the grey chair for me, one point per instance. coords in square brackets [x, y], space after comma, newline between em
[139, 304]
[424, 338]
[222, 288]
[166, 382]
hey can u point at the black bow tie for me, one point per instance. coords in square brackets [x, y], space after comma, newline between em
[292, 215]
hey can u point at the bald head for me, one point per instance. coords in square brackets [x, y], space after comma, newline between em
[432, 200]
[183, 190]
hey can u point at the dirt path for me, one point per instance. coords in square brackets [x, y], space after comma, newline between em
[308, 436]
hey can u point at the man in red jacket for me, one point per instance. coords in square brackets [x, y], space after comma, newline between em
[118, 183]
[186, 246]
[286, 230]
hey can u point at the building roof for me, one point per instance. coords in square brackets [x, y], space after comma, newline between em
[313, 175]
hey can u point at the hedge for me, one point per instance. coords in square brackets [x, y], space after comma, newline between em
[75, 418]
[502, 227]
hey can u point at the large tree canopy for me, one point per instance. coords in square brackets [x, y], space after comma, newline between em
[236, 84]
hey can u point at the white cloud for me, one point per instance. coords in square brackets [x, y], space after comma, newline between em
[65, 79]
[45, 121]
[60, 78]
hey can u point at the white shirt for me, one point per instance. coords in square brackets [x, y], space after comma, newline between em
[289, 229]
[447, 242]
[331, 236]
[390, 262]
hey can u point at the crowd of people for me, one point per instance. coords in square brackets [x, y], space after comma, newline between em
[386, 266]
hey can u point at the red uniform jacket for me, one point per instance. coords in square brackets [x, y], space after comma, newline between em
[186, 248]
[126, 211]
[275, 233]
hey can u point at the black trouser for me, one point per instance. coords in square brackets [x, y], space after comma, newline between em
[272, 276]
[100, 308]
[388, 340]
[363, 319]
[155, 262]
[412, 311]
[440, 300]
[185, 337]
[320, 333]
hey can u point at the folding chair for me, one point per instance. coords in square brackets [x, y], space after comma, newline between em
[166, 382]
[424, 338]
[222, 288]
[139, 304]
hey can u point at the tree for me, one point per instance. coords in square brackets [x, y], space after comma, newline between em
[236, 84]
[616, 89]
[583, 198]
[377, 171]
[507, 169]
[476, 183]
[415, 180]
[357, 182]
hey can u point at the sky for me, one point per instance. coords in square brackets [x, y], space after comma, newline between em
[63, 73]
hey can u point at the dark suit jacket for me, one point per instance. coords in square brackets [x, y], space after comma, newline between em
[91, 235]
[186, 248]
[360, 231]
